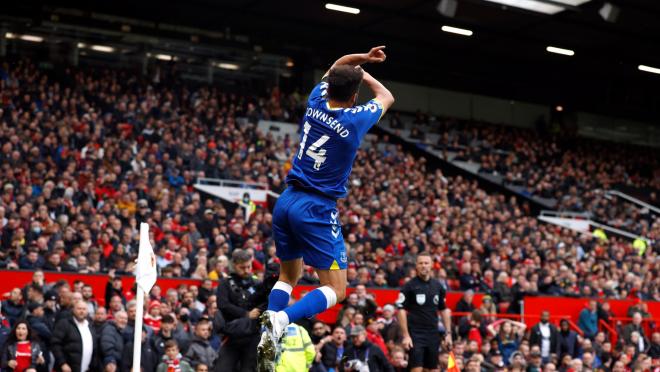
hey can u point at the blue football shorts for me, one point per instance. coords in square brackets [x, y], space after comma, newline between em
[306, 224]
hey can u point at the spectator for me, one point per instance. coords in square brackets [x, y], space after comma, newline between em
[508, 334]
[74, 342]
[365, 352]
[13, 307]
[38, 323]
[332, 350]
[112, 342]
[374, 336]
[567, 340]
[99, 321]
[319, 332]
[172, 359]
[153, 319]
[365, 301]
[470, 328]
[200, 351]
[654, 350]
[168, 331]
[148, 358]
[544, 336]
[487, 307]
[635, 326]
[399, 361]
[465, 304]
[391, 330]
[468, 281]
[517, 361]
[588, 320]
[502, 292]
[22, 352]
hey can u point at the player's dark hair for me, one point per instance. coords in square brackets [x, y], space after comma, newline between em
[343, 82]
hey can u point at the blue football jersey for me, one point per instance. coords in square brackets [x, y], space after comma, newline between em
[329, 140]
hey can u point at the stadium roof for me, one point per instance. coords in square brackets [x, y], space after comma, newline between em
[506, 55]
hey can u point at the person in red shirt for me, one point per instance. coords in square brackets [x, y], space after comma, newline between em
[21, 352]
[374, 336]
[153, 318]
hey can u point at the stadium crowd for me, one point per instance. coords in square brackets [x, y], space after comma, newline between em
[85, 156]
[554, 164]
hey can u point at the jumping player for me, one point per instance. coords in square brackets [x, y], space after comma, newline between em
[305, 219]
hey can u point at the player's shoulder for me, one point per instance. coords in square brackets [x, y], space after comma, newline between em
[370, 107]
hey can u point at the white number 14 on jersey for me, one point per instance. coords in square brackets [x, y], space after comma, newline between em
[314, 151]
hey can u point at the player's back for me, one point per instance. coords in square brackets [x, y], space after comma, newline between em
[329, 140]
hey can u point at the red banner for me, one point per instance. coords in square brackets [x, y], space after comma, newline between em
[558, 306]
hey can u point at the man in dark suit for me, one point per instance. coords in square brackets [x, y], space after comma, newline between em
[544, 335]
[74, 342]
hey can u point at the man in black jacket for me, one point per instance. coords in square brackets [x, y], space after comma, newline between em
[112, 342]
[332, 352]
[654, 350]
[241, 299]
[74, 342]
[149, 358]
[13, 307]
[366, 352]
[544, 335]
[37, 322]
[567, 340]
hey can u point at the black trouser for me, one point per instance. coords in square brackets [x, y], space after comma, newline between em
[238, 355]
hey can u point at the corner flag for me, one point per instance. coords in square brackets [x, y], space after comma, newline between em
[145, 277]
[145, 271]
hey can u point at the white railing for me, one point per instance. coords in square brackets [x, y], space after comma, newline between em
[633, 200]
[231, 183]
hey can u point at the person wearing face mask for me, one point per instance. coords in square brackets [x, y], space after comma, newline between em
[544, 335]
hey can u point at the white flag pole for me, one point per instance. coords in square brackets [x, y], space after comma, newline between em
[145, 277]
[137, 337]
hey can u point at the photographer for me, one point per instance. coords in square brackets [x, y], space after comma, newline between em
[241, 299]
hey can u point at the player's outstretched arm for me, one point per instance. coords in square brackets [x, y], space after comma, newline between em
[375, 55]
[382, 94]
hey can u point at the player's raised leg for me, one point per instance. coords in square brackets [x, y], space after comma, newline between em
[331, 292]
[290, 272]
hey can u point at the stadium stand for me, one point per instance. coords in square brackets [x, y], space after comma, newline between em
[87, 154]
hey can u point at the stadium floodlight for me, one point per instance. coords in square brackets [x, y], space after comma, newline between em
[31, 38]
[556, 50]
[228, 66]
[342, 8]
[532, 5]
[164, 57]
[456, 30]
[102, 48]
[653, 70]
